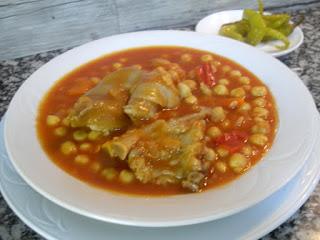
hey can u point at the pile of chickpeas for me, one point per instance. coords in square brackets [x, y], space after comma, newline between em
[258, 138]
[82, 144]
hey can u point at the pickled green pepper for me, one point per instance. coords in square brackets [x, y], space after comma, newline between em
[256, 27]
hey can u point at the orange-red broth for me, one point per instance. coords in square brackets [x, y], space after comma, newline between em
[67, 90]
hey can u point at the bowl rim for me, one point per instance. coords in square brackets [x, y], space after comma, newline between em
[131, 220]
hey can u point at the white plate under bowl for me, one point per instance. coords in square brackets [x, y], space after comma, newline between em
[292, 146]
[56, 223]
[212, 23]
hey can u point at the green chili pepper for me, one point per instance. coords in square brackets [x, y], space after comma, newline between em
[257, 26]
[241, 27]
[230, 30]
[276, 35]
[288, 28]
[276, 20]
[261, 7]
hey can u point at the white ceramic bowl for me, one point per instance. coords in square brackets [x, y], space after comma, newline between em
[292, 146]
[211, 24]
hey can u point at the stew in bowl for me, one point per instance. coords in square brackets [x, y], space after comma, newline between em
[157, 121]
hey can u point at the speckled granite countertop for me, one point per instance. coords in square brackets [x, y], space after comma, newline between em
[303, 225]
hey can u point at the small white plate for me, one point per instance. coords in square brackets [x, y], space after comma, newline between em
[212, 23]
[56, 223]
[292, 146]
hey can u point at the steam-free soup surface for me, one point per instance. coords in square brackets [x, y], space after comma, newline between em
[157, 121]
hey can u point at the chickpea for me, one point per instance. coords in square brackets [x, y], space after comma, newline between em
[206, 165]
[214, 132]
[126, 176]
[224, 81]
[117, 65]
[109, 173]
[238, 162]
[238, 92]
[137, 66]
[53, 120]
[162, 62]
[68, 148]
[85, 147]
[205, 90]
[161, 69]
[226, 123]
[95, 167]
[209, 154]
[245, 107]
[194, 164]
[218, 114]
[60, 131]
[226, 69]
[221, 166]
[190, 83]
[259, 91]
[261, 127]
[260, 102]
[184, 90]
[191, 100]
[94, 135]
[216, 63]
[66, 122]
[260, 112]
[174, 74]
[95, 80]
[244, 80]
[235, 73]
[258, 119]
[222, 152]
[221, 90]
[186, 57]
[247, 150]
[206, 58]
[258, 139]
[81, 159]
[80, 135]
